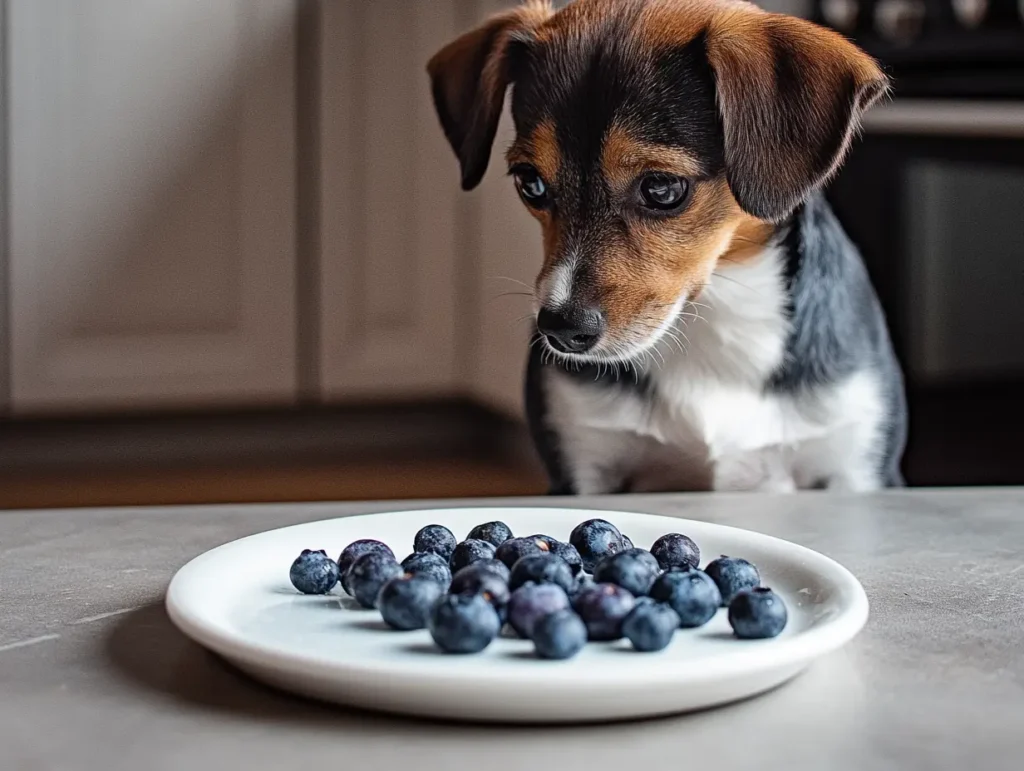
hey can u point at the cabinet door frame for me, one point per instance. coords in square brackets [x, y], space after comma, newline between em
[389, 257]
[249, 360]
[5, 312]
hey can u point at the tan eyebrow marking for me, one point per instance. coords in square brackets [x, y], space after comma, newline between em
[624, 158]
[540, 148]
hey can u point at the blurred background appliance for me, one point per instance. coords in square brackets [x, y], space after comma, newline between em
[934, 195]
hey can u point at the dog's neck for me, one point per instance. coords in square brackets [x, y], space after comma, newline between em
[734, 331]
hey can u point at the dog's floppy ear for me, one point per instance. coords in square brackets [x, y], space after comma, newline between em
[469, 78]
[790, 94]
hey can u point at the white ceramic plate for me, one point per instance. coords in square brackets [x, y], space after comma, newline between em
[237, 601]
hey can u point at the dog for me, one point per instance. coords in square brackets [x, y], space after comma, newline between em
[704, 323]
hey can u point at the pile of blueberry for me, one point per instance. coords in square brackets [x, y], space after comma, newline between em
[559, 595]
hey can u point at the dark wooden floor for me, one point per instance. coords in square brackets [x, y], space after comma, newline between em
[385, 452]
[260, 483]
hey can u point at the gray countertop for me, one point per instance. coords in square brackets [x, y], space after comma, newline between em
[93, 674]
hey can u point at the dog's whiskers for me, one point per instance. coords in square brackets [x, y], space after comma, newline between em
[515, 281]
[716, 274]
[525, 318]
[513, 294]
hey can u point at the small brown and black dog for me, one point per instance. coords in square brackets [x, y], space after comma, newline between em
[704, 321]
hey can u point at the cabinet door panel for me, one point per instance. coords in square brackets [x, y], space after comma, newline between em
[389, 198]
[152, 197]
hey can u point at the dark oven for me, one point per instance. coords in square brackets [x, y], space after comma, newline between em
[933, 193]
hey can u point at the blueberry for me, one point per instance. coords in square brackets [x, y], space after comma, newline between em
[495, 566]
[482, 580]
[690, 592]
[541, 569]
[595, 539]
[634, 570]
[582, 581]
[429, 565]
[437, 539]
[532, 602]
[463, 623]
[514, 549]
[755, 614]
[569, 555]
[405, 601]
[468, 552]
[650, 626]
[492, 532]
[627, 543]
[355, 550]
[547, 539]
[313, 572]
[368, 574]
[559, 635]
[732, 575]
[675, 550]
[602, 608]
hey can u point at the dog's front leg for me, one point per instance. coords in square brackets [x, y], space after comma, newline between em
[861, 479]
[591, 479]
[571, 470]
[762, 470]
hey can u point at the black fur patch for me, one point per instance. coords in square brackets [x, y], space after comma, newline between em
[836, 322]
[838, 327]
[545, 439]
[662, 97]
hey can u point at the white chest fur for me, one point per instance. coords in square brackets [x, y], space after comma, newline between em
[708, 422]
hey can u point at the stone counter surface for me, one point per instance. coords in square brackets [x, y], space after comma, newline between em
[94, 676]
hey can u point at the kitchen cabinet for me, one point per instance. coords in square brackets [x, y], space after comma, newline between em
[249, 202]
[420, 283]
[151, 203]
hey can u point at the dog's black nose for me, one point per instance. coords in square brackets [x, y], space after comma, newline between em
[571, 330]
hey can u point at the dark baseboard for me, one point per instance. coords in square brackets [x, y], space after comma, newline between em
[275, 436]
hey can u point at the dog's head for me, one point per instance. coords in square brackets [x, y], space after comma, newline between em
[654, 138]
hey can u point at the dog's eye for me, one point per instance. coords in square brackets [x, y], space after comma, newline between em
[530, 185]
[663, 192]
